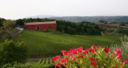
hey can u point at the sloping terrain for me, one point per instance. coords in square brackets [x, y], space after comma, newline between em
[49, 44]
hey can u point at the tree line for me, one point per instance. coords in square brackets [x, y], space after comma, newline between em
[82, 28]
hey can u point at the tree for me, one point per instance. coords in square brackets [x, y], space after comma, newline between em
[8, 30]
[122, 24]
[1, 21]
[103, 21]
[20, 22]
[12, 52]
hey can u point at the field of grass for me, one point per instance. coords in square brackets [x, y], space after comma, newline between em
[49, 44]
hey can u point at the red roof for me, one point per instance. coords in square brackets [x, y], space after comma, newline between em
[35, 23]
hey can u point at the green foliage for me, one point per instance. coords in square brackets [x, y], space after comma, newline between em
[67, 27]
[20, 22]
[11, 52]
[8, 31]
[36, 19]
[123, 46]
[50, 30]
[103, 21]
[8, 24]
[122, 24]
[1, 22]
[29, 66]
[123, 31]
[81, 28]
[84, 28]
[43, 63]
[49, 44]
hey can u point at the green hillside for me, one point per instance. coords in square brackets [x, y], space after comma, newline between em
[49, 44]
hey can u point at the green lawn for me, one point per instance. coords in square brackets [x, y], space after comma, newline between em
[48, 44]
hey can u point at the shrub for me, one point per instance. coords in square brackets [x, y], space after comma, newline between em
[8, 31]
[94, 57]
[11, 52]
[123, 47]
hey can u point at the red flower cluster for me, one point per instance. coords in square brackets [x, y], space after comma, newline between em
[56, 58]
[93, 61]
[118, 52]
[92, 55]
[107, 50]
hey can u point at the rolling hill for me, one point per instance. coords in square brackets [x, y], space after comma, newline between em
[49, 44]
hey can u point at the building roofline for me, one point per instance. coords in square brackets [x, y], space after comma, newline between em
[35, 23]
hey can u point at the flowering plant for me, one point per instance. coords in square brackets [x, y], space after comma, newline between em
[94, 57]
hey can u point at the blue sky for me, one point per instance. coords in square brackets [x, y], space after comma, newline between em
[13, 9]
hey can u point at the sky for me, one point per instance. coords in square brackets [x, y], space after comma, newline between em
[14, 9]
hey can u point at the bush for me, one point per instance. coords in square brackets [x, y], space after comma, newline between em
[123, 47]
[8, 31]
[11, 52]
[94, 57]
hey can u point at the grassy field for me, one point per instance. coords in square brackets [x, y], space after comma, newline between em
[49, 44]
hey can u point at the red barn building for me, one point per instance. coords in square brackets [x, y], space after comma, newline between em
[41, 26]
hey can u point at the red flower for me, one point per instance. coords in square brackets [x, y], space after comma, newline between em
[93, 47]
[119, 56]
[88, 50]
[75, 51]
[71, 55]
[64, 52]
[72, 62]
[115, 66]
[80, 49]
[107, 50]
[93, 51]
[118, 51]
[74, 58]
[56, 58]
[98, 47]
[92, 59]
[64, 60]
[57, 65]
[93, 63]
[125, 62]
[72, 50]
[85, 52]
[80, 56]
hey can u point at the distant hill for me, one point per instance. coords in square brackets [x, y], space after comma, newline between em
[93, 18]
[86, 18]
